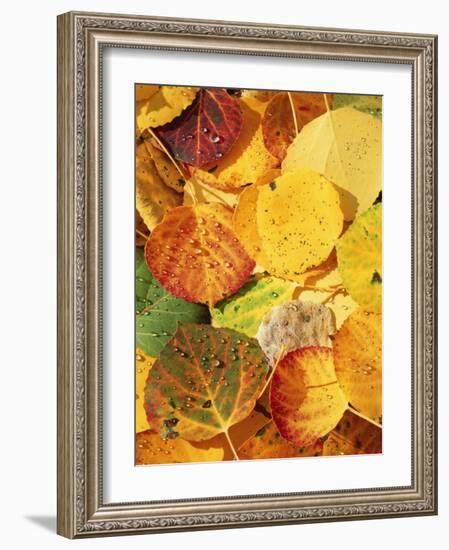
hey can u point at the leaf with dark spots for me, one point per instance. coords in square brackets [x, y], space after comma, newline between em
[268, 443]
[158, 312]
[353, 435]
[206, 130]
[207, 379]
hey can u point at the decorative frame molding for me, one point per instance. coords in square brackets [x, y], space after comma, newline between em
[81, 39]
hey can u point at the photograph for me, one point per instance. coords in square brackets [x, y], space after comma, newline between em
[258, 274]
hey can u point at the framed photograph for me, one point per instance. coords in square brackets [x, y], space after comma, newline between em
[247, 255]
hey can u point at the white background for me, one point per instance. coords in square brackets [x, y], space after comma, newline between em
[28, 276]
[123, 481]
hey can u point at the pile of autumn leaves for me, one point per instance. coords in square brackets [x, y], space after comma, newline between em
[258, 274]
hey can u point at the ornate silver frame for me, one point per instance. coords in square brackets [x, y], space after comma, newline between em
[81, 39]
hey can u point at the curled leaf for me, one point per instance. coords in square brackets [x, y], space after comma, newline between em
[152, 449]
[205, 131]
[204, 381]
[359, 254]
[345, 146]
[163, 106]
[358, 361]
[285, 116]
[299, 220]
[166, 170]
[353, 436]
[294, 325]
[153, 197]
[247, 160]
[158, 312]
[244, 310]
[306, 399]
[195, 254]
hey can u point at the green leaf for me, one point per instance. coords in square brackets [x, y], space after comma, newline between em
[244, 310]
[204, 381]
[371, 104]
[158, 312]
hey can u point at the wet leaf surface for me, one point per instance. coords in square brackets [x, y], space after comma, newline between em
[306, 399]
[204, 381]
[195, 254]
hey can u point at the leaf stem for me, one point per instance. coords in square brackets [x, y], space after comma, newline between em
[333, 294]
[234, 452]
[295, 121]
[167, 152]
[189, 187]
[370, 420]
[141, 234]
[278, 360]
[326, 102]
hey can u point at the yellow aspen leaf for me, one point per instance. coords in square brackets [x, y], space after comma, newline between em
[353, 436]
[143, 365]
[145, 91]
[306, 399]
[267, 442]
[153, 197]
[245, 224]
[152, 449]
[163, 106]
[359, 255]
[248, 158]
[358, 361]
[299, 221]
[294, 325]
[195, 254]
[345, 146]
[166, 169]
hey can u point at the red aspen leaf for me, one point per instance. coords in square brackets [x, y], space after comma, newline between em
[195, 254]
[268, 443]
[283, 111]
[306, 399]
[353, 436]
[358, 361]
[206, 130]
[204, 381]
[248, 159]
